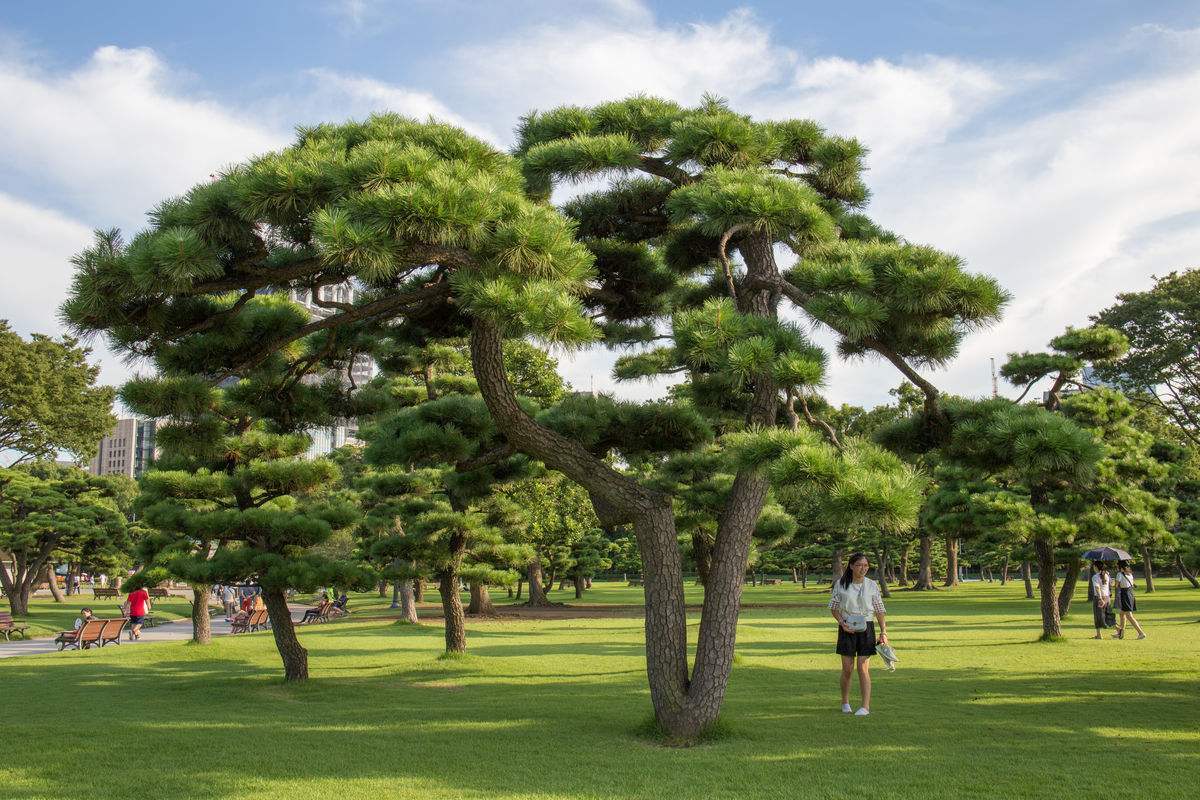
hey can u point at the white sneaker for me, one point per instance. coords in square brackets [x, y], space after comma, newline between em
[846, 708]
[862, 712]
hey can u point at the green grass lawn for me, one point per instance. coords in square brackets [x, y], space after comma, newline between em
[547, 709]
[47, 618]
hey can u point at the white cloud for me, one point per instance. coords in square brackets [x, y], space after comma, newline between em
[115, 136]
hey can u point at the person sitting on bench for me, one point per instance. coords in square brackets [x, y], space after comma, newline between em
[315, 613]
[85, 616]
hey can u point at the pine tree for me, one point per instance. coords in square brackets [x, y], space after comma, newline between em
[450, 235]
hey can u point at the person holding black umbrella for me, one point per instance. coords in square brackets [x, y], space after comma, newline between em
[1101, 598]
[1126, 602]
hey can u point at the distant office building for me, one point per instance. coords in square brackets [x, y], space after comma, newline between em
[362, 369]
[128, 450]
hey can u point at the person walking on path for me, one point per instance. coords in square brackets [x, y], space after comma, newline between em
[854, 600]
[138, 604]
[1126, 602]
[229, 599]
[1101, 598]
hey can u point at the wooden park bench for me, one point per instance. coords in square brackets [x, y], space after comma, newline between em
[94, 633]
[255, 622]
[110, 591]
[8, 627]
[771, 581]
[158, 593]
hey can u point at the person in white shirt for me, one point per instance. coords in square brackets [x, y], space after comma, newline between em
[1126, 602]
[1101, 596]
[855, 598]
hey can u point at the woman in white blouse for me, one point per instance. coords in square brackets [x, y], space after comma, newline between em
[854, 600]
[1126, 602]
[1101, 597]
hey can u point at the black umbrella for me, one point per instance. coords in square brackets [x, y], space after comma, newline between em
[1107, 554]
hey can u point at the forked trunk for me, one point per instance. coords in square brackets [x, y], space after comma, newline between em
[201, 621]
[537, 593]
[293, 654]
[481, 600]
[1027, 576]
[452, 611]
[1184, 573]
[1051, 627]
[951, 561]
[925, 568]
[1067, 592]
[1148, 566]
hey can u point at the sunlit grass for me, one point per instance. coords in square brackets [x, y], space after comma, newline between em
[557, 708]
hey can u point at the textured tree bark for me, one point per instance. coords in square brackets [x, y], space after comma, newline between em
[520, 586]
[925, 567]
[1070, 581]
[1148, 567]
[1027, 576]
[395, 594]
[382, 587]
[537, 592]
[452, 611]
[1185, 573]
[838, 568]
[52, 579]
[578, 581]
[291, 652]
[419, 589]
[201, 622]
[881, 574]
[408, 608]
[951, 561]
[702, 554]
[795, 575]
[1051, 627]
[481, 600]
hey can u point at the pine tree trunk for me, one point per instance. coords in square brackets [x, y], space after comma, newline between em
[881, 574]
[1185, 573]
[1148, 566]
[904, 553]
[52, 580]
[481, 600]
[201, 621]
[419, 589]
[1004, 573]
[1027, 576]
[795, 576]
[520, 587]
[804, 578]
[925, 567]
[1051, 627]
[452, 611]
[838, 567]
[578, 581]
[408, 608]
[537, 594]
[395, 594]
[587, 582]
[1067, 592]
[382, 587]
[293, 654]
[702, 554]
[951, 561]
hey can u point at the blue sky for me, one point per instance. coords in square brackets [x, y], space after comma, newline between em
[1054, 145]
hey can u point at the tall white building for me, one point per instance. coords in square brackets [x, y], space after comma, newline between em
[127, 451]
[362, 369]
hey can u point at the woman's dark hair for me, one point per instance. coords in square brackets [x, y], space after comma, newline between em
[847, 573]
[1122, 564]
[1099, 566]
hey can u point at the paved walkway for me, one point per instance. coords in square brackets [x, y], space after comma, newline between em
[178, 630]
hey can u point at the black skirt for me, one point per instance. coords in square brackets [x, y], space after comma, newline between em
[1125, 600]
[856, 644]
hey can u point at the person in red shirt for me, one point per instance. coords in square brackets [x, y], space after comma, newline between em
[139, 605]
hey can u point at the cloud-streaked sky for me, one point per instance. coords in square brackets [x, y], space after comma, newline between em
[1055, 146]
